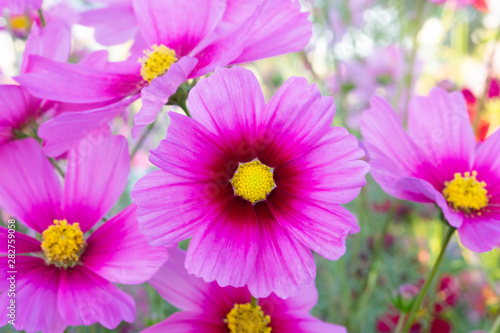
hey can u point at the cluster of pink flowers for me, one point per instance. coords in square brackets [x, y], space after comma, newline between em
[256, 186]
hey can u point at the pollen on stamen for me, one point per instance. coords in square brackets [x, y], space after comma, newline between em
[156, 61]
[247, 318]
[253, 181]
[465, 193]
[63, 243]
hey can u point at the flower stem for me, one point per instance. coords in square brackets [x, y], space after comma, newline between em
[58, 168]
[42, 18]
[184, 107]
[416, 305]
[496, 326]
[141, 140]
[255, 301]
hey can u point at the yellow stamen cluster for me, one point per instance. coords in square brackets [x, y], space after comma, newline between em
[19, 22]
[63, 243]
[156, 61]
[247, 318]
[465, 193]
[253, 181]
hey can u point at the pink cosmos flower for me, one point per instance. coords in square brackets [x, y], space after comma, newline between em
[20, 6]
[257, 186]
[67, 278]
[177, 41]
[209, 308]
[438, 161]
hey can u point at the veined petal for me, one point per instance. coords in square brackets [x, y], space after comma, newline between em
[118, 252]
[20, 243]
[29, 187]
[97, 175]
[85, 298]
[481, 233]
[189, 322]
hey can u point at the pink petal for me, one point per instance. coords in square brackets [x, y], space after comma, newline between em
[18, 106]
[19, 242]
[226, 245]
[115, 24]
[192, 152]
[189, 322]
[21, 6]
[29, 187]
[304, 301]
[280, 28]
[303, 323]
[480, 233]
[97, 175]
[178, 25]
[487, 163]
[189, 293]
[23, 266]
[392, 152]
[118, 252]
[52, 42]
[293, 121]
[85, 298]
[74, 83]
[38, 287]
[65, 131]
[440, 125]
[172, 207]
[323, 229]
[283, 263]
[213, 103]
[331, 172]
[156, 95]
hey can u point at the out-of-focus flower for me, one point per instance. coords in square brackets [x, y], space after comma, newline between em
[489, 118]
[20, 6]
[251, 181]
[480, 5]
[438, 161]
[177, 41]
[69, 278]
[207, 307]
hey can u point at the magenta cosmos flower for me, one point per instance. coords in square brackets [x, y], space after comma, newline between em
[66, 278]
[438, 161]
[257, 186]
[209, 308]
[177, 41]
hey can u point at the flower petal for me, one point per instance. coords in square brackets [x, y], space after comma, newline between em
[280, 28]
[65, 131]
[29, 187]
[440, 125]
[323, 229]
[85, 298]
[178, 25]
[225, 247]
[304, 301]
[156, 95]
[487, 163]
[303, 323]
[39, 286]
[189, 293]
[214, 101]
[283, 263]
[189, 322]
[480, 233]
[170, 208]
[114, 24]
[19, 242]
[118, 252]
[72, 83]
[293, 121]
[97, 175]
[331, 172]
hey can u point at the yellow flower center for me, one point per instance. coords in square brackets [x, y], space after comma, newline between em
[19, 22]
[156, 61]
[247, 318]
[253, 181]
[465, 193]
[63, 243]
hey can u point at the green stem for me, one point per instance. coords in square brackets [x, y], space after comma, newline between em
[42, 18]
[141, 140]
[496, 326]
[255, 301]
[418, 302]
[58, 168]
[184, 107]
[401, 322]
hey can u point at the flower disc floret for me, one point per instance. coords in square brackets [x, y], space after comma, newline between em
[247, 318]
[156, 61]
[253, 181]
[465, 193]
[63, 243]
